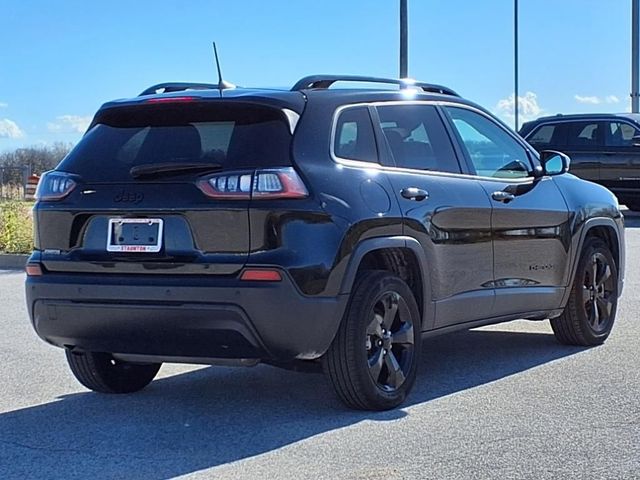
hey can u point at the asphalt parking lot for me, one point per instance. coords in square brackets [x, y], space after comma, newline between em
[504, 401]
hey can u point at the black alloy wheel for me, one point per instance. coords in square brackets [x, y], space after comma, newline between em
[590, 312]
[390, 341]
[372, 362]
[598, 291]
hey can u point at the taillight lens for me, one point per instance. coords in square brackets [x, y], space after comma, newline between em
[55, 185]
[33, 269]
[262, 184]
[278, 183]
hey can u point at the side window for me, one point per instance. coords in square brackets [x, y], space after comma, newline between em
[493, 152]
[417, 138]
[619, 134]
[585, 134]
[550, 135]
[354, 137]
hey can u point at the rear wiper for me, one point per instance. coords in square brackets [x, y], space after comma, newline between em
[177, 168]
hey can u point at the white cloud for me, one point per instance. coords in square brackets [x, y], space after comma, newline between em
[528, 108]
[69, 124]
[4, 104]
[590, 100]
[594, 100]
[10, 129]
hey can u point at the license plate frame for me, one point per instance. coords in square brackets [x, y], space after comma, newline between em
[134, 245]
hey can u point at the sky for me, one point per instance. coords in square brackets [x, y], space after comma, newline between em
[59, 61]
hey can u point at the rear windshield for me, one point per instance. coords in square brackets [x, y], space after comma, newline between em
[234, 136]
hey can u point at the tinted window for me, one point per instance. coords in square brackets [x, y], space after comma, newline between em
[493, 152]
[619, 134]
[354, 136]
[417, 138]
[233, 136]
[584, 134]
[548, 135]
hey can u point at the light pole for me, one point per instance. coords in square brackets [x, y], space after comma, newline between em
[635, 41]
[515, 60]
[404, 40]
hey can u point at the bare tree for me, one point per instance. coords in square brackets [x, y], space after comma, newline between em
[34, 160]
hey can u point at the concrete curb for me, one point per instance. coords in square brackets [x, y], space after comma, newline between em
[10, 261]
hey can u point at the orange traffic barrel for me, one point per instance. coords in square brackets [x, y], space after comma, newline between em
[30, 190]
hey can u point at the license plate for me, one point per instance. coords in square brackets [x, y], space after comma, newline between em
[134, 235]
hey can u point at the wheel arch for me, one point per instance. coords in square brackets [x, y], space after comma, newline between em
[607, 230]
[402, 255]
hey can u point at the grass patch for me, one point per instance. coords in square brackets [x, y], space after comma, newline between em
[16, 227]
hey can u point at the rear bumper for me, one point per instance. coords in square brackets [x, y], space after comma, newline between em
[193, 317]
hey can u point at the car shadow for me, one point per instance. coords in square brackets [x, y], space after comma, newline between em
[213, 416]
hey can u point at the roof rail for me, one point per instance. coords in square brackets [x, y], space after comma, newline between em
[325, 81]
[178, 87]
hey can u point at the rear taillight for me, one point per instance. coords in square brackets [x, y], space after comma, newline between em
[33, 269]
[55, 185]
[262, 184]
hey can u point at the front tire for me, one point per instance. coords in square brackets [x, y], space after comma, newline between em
[102, 373]
[590, 312]
[373, 360]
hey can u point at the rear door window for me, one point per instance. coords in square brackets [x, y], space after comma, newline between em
[585, 135]
[233, 136]
[417, 138]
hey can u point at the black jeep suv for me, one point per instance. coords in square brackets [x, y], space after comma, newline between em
[318, 226]
[604, 148]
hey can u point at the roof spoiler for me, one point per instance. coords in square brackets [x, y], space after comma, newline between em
[182, 86]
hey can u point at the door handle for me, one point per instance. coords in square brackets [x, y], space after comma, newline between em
[502, 196]
[414, 193]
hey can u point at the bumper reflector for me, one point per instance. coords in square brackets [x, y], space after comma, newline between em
[261, 275]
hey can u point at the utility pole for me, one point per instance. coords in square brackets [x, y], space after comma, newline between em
[635, 42]
[515, 60]
[404, 40]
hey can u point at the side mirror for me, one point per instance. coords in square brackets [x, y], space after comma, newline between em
[554, 163]
[635, 141]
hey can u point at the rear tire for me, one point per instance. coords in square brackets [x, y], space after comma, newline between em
[102, 373]
[590, 312]
[373, 360]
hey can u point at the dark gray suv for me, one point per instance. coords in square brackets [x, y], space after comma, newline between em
[604, 148]
[311, 228]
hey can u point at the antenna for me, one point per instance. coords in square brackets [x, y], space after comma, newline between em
[222, 85]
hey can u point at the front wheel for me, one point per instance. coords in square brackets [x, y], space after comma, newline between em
[590, 312]
[373, 360]
[102, 373]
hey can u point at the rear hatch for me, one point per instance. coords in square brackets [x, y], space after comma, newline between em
[160, 187]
